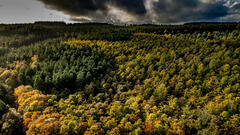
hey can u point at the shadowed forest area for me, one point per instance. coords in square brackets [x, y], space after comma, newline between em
[96, 79]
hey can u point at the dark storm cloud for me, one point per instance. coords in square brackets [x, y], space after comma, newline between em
[88, 7]
[132, 6]
[214, 11]
[156, 11]
[77, 7]
[187, 10]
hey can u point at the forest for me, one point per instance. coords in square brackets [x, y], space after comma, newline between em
[97, 79]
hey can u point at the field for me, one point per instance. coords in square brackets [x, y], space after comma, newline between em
[94, 79]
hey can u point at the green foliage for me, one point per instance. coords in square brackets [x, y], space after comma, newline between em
[10, 119]
[60, 67]
[104, 79]
[3, 108]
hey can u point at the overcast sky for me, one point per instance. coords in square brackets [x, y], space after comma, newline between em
[119, 11]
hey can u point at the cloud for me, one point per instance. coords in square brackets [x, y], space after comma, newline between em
[233, 12]
[185, 10]
[76, 7]
[145, 11]
[84, 7]
[81, 19]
